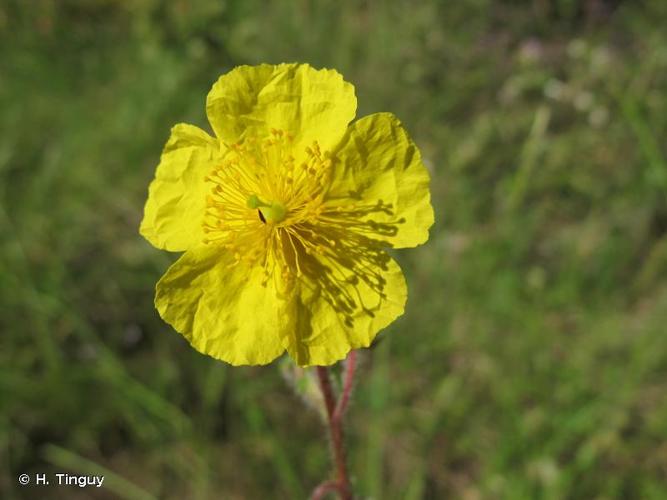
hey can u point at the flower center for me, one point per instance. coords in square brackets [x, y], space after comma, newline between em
[268, 207]
[265, 199]
[273, 212]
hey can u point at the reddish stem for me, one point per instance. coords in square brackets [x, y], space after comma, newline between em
[327, 390]
[323, 489]
[335, 413]
[350, 366]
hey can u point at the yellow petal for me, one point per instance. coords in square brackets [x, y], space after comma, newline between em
[308, 103]
[332, 313]
[177, 196]
[221, 308]
[379, 178]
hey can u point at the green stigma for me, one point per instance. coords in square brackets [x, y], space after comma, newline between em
[273, 212]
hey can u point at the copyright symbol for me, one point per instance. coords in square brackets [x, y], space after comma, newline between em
[24, 479]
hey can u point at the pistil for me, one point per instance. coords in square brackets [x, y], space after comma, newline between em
[273, 212]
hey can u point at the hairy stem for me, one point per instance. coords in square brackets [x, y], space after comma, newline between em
[348, 381]
[320, 492]
[335, 413]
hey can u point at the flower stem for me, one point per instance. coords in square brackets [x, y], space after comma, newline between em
[323, 489]
[348, 380]
[335, 413]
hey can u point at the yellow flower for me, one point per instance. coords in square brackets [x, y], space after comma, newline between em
[284, 217]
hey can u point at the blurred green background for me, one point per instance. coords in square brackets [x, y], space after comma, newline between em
[532, 358]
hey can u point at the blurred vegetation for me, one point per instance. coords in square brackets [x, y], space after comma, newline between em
[532, 358]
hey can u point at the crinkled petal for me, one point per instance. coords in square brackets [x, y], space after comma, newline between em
[332, 312]
[308, 103]
[221, 308]
[177, 196]
[380, 185]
